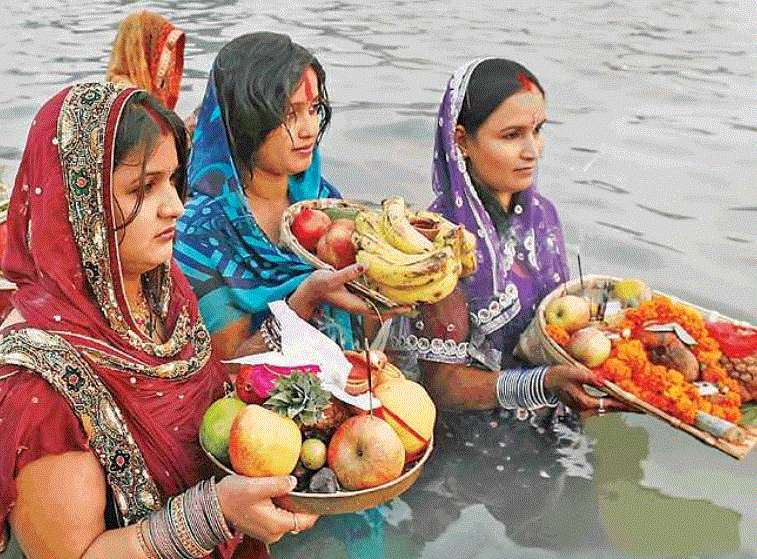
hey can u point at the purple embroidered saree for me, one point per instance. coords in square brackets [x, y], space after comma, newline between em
[516, 269]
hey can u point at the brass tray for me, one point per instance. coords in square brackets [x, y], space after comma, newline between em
[343, 502]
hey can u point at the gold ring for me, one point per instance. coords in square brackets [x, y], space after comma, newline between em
[296, 529]
[601, 410]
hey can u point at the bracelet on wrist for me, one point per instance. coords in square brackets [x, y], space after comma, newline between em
[189, 526]
[523, 388]
[270, 331]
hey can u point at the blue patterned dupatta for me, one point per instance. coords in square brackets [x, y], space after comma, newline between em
[231, 264]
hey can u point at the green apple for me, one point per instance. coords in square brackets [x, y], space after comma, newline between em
[632, 292]
[590, 346]
[216, 426]
[570, 312]
[313, 454]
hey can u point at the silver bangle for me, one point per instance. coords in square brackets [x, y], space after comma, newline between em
[524, 388]
[271, 333]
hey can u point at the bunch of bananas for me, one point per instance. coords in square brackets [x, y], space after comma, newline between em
[412, 257]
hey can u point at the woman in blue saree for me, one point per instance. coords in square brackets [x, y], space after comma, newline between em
[255, 152]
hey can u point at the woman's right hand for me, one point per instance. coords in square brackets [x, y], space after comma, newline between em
[566, 382]
[328, 286]
[247, 504]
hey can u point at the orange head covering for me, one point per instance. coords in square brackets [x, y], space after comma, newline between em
[149, 53]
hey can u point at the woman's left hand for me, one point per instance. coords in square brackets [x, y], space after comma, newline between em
[328, 286]
[566, 381]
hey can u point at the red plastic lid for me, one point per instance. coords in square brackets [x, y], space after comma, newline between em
[734, 340]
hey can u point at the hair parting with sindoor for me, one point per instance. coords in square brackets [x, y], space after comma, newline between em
[144, 121]
[255, 76]
[492, 81]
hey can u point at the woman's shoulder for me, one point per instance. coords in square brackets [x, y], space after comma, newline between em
[544, 202]
[35, 418]
[548, 209]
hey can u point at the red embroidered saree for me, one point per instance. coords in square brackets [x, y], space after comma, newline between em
[77, 374]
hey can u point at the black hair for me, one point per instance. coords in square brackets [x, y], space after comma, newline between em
[255, 76]
[144, 121]
[492, 81]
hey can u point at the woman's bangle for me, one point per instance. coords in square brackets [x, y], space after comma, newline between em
[271, 333]
[189, 526]
[524, 388]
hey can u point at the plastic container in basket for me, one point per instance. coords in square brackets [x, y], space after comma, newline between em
[340, 206]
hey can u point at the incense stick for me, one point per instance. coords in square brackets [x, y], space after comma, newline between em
[370, 380]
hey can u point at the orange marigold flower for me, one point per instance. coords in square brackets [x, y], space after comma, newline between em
[558, 334]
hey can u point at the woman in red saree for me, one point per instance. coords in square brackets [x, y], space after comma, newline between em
[107, 371]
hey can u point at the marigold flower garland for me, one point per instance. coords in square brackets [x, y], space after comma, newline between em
[666, 389]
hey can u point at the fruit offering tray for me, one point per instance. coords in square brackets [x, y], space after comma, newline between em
[658, 354]
[343, 501]
[335, 208]
[409, 257]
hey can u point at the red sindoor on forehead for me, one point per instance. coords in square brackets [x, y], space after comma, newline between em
[527, 84]
[307, 79]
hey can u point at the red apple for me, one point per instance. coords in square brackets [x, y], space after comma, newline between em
[365, 452]
[308, 227]
[569, 311]
[590, 346]
[335, 247]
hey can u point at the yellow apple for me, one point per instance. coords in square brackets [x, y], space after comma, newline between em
[263, 443]
[590, 346]
[631, 292]
[570, 312]
[407, 407]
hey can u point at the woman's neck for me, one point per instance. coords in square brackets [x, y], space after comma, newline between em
[132, 289]
[267, 199]
[267, 186]
[496, 204]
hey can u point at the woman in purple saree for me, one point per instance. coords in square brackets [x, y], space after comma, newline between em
[506, 436]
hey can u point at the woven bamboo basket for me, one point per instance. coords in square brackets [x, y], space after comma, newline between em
[288, 240]
[343, 502]
[537, 347]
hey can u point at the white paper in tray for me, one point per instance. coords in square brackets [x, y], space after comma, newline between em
[303, 344]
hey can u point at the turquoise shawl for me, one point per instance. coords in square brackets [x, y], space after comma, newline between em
[234, 269]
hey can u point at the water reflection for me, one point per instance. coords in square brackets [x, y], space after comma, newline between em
[661, 524]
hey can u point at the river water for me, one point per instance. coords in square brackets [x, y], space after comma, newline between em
[650, 161]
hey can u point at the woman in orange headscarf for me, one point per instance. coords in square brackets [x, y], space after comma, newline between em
[149, 53]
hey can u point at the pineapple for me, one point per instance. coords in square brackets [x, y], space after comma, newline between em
[300, 397]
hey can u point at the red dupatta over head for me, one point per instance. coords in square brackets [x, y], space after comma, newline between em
[63, 255]
[149, 53]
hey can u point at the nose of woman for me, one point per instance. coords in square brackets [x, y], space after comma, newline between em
[531, 147]
[309, 125]
[171, 206]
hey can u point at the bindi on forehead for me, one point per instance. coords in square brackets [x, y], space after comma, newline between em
[527, 84]
[310, 83]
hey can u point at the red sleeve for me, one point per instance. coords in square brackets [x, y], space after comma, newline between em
[35, 421]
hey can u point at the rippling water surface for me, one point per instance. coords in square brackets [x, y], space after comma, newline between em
[650, 160]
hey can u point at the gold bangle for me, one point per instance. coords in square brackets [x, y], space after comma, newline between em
[187, 541]
[149, 551]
